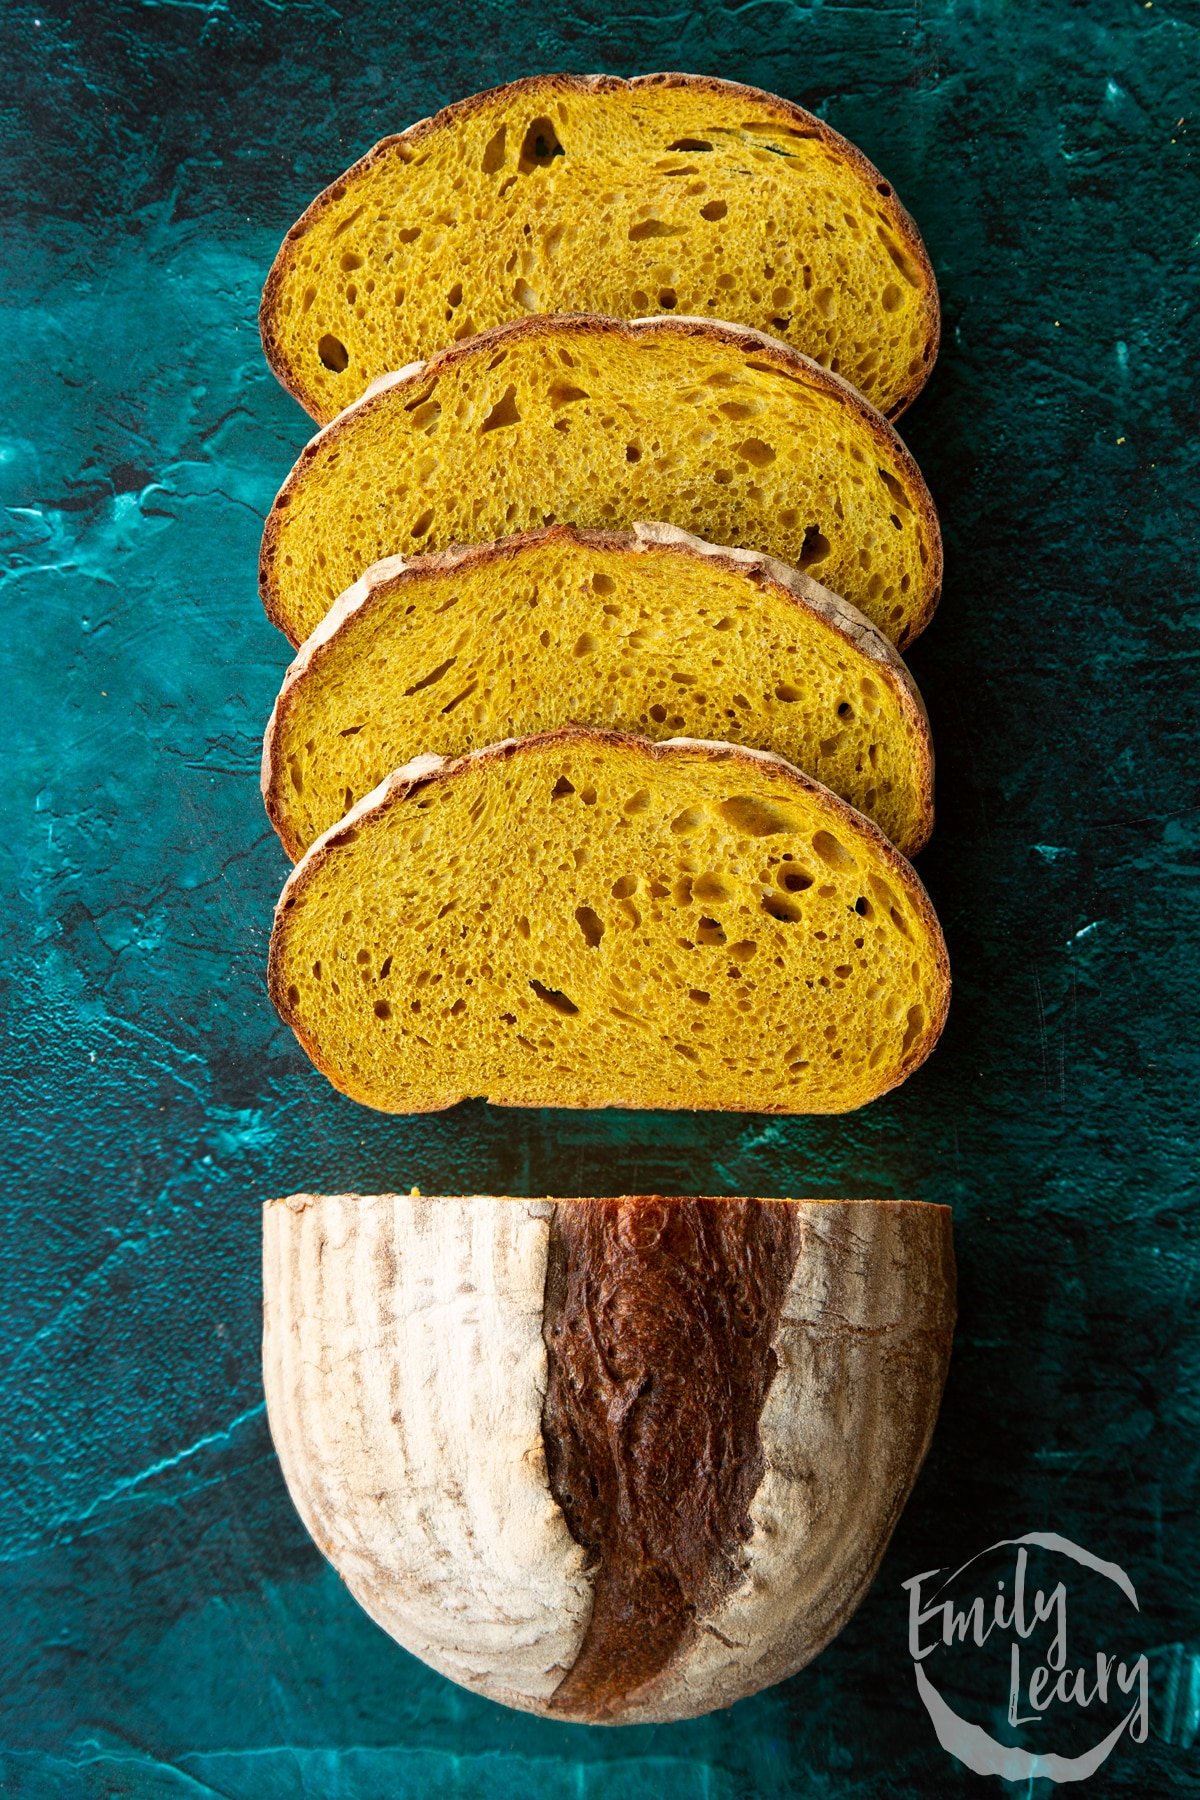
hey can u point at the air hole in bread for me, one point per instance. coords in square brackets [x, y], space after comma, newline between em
[553, 997]
[333, 353]
[757, 453]
[504, 412]
[778, 908]
[899, 257]
[914, 1027]
[714, 210]
[493, 155]
[654, 228]
[832, 852]
[591, 925]
[430, 680]
[752, 817]
[539, 147]
[561, 393]
[815, 548]
[695, 145]
[710, 931]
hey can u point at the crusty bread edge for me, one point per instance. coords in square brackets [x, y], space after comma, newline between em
[302, 1200]
[402, 143]
[745, 338]
[829, 610]
[429, 767]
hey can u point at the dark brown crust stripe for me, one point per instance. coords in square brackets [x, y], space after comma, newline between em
[659, 1321]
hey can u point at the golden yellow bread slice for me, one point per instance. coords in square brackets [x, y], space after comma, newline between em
[651, 631]
[594, 421]
[578, 193]
[587, 919]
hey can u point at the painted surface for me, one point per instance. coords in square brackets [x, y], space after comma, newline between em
[168, 1629]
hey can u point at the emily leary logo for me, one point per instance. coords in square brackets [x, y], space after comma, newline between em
[1023, 1629]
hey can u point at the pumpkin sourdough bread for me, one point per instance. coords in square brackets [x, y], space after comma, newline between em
[650, 631]
[609, 1460]
[568, 193]
[585, 919]
[599, 422]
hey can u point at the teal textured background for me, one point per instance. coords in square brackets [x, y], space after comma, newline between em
[168, 1629]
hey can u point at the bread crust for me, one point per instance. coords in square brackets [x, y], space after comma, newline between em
[740, 337]
[401, 145]
[797, 589]
[428, 768]
[407, 1344]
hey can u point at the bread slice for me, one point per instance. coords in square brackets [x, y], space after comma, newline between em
[598, 422]
[650, 631]
[587, 919]
[610, 1460]
[577, 193]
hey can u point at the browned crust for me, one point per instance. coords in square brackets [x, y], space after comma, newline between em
[401, 145]
[760, 570]
[401, 786]
[744, 338]
[645, 1307]
[300, 1201]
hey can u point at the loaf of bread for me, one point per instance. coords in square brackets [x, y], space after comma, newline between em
[595, 422]
[609, 1460]
[569, 193]
[650, 631]
[588, 919]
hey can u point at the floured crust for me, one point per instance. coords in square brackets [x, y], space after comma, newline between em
[402, 144]
[385, 576]
[739, 337]
[423, 770]
[408, 1343]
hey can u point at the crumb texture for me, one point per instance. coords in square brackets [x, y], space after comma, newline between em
[560, 196]
[585, 919]
[590, 422]
[659, 639]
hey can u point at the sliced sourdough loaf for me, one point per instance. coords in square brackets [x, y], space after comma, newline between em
[587, 919]
[609, 1460]
[650, 631]
[593, 421]
[569, 193]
